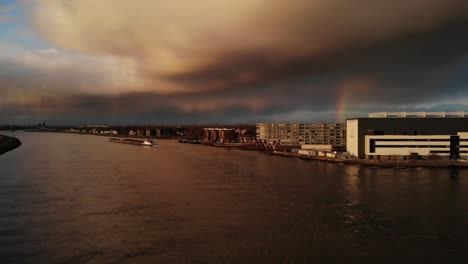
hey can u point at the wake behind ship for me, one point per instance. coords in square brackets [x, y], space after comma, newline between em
[137, 142]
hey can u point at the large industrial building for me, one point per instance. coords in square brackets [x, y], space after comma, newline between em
[297, 134]
[409, 136]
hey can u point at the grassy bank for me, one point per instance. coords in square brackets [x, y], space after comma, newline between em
[8, 143]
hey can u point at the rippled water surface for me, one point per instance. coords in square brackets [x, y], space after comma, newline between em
[80, 199]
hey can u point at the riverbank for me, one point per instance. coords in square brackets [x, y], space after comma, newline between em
[103, 135]
[353, 161]
[381, 163]
[261, 148]
[8, 143]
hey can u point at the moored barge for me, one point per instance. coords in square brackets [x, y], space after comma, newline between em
[188, 141]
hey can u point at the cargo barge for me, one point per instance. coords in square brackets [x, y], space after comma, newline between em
[137, 142]
[188, 141]
[243, 146]
[232, 145]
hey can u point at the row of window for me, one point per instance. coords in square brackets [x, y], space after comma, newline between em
[411, 146]
[447, 151]
[411, 140]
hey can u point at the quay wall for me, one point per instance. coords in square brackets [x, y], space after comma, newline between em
[380, 163]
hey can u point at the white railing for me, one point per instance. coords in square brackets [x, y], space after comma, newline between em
[418, 114]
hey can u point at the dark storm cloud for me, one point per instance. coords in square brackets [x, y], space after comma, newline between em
[256, 61]
[412, 63]
[132, 108]
[219, 44]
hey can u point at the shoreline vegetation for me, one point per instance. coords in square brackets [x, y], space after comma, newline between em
[8, 144]
[352, 161]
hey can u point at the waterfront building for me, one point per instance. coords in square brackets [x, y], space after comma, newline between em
[241, 134]
[410, 147]
[308, 135]
[407, 135]
[286, 133]
[222, 135]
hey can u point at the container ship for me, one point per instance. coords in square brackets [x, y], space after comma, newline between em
[137, 142]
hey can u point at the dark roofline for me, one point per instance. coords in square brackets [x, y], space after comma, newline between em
[412, 118]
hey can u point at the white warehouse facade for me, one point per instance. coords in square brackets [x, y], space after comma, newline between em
[408, 135]
[383, 147]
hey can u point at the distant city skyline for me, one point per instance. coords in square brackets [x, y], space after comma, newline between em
[229, 62]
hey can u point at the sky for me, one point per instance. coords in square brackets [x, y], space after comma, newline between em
[121, 62]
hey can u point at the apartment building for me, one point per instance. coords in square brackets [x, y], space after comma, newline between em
[298, 134]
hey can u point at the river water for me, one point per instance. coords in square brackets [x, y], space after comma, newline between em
[80, 199]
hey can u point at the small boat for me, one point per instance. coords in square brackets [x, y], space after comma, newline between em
[130, 141]
[149, 142]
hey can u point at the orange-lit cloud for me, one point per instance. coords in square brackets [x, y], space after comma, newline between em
[195, 45]
[175, 60]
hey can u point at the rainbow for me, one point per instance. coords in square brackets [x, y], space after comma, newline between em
[349, 90]
[341, 104]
